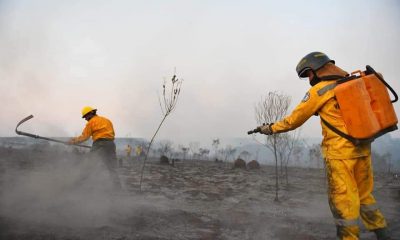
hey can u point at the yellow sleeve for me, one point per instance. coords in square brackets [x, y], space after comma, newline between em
[310, 104]
[86, 133]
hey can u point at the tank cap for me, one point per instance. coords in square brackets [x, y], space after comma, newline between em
[360, 73]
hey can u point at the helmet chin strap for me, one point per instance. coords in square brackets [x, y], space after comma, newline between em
[315, 79]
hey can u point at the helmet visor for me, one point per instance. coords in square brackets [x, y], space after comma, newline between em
[303, 74]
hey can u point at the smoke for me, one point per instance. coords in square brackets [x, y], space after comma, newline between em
[65, 192]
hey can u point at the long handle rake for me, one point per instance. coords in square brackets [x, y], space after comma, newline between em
[40, 137]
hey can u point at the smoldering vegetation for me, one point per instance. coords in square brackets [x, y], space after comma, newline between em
[51, 192]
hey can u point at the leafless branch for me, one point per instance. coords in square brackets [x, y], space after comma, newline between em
[170, 100]
[270, 109]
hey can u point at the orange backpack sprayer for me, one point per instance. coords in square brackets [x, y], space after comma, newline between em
[365, 105]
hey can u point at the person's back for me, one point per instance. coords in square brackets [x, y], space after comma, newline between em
[97, 127]
[333, 145]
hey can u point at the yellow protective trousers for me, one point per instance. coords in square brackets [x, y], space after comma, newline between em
[350, 185]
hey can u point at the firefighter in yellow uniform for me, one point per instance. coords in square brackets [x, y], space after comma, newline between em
[128, 151]
[348, 167]
[102, 132]
[138, 151]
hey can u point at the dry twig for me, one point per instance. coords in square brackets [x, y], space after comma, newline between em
[168, 104]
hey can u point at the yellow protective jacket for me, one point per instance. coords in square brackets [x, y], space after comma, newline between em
[138, 150]
[320, 100]
[97, 127]
[128, 149]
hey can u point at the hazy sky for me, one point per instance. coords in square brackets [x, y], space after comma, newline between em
[58, 56]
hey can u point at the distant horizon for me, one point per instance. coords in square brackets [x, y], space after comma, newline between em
[382, 146]
[238, 140]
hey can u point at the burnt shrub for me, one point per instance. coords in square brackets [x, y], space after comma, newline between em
[239, 163]
[253, 165]
[164, 160]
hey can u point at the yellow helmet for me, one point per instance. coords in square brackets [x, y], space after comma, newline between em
[86, 110]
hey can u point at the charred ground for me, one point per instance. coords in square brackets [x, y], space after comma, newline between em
[52, 193]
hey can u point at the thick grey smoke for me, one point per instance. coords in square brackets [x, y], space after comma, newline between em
[65, 192]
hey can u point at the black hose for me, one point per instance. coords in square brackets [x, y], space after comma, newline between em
[371, 70]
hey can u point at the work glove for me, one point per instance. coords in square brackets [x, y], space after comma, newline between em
[266, 129]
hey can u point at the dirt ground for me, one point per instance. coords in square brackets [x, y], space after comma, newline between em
[54, 194]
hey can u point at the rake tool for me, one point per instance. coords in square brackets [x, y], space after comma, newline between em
[44, 138]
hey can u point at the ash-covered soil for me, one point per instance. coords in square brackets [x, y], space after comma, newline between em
[52, 193]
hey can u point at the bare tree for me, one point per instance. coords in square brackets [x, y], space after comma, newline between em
[174, 156]
[230, 151]
[143, 145]
[182, 151]
[194, 148]
[165, 148]
[298, 152]
[215, 145]
[315, 154]
[168, 104]
[272, 108]
[290, 142]
[204, 153]
[222, 154]
[185, 150]
[227, 152]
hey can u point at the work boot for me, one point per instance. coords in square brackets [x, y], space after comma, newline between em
[382, 234]
[347, 232]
